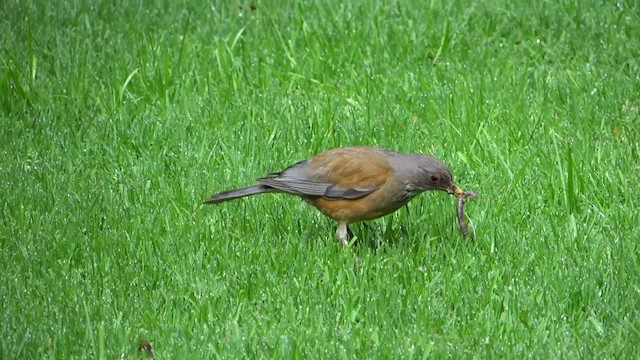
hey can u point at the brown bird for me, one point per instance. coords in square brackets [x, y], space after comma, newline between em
[354, 184]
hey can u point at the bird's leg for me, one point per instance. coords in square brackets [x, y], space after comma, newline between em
[343, 233]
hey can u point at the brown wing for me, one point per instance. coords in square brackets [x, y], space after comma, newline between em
[358, 167]
[355, 167]
[344, 173]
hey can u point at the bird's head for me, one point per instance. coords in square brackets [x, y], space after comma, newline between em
[429, 173]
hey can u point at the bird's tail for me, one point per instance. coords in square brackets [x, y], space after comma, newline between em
[235, 194]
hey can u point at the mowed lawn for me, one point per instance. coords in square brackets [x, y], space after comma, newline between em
[118, 118]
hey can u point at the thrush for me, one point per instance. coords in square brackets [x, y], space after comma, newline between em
[352, 184]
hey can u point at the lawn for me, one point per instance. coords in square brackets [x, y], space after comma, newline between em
[117, 118]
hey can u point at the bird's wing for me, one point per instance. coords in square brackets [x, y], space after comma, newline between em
[344, 173]
[313, 188]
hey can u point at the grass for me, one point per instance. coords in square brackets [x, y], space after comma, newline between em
[118, 118]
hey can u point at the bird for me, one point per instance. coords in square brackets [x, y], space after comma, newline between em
[354, 184]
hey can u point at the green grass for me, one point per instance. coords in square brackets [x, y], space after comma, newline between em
[118, 118]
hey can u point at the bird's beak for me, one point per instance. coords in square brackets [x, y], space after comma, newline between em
[455, 190]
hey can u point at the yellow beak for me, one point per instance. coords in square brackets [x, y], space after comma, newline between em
[455, 190]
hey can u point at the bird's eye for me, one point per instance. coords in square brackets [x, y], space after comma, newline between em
[434, 178]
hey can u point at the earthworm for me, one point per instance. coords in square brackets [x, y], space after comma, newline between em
[462, 198]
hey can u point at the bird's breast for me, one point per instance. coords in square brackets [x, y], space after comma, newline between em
[383, 201]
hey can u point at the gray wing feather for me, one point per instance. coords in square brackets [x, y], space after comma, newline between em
[293, 180]
[296, 186]
[313, 188]
[335, 192]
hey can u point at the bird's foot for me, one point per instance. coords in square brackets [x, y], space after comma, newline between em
[343, 233]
